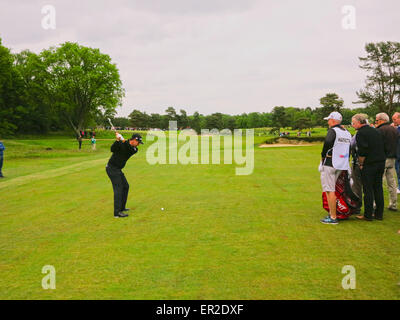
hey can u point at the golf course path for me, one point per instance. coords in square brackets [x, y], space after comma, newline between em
[52, 173]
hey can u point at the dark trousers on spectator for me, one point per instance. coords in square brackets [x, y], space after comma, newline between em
[357, 182]
[397, 166]
[371, 176]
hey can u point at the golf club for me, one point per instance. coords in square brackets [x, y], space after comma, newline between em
[113, 128]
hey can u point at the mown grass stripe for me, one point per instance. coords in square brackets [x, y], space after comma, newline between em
[52, 173]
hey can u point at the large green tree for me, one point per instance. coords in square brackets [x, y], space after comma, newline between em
[79, 83]
[40, 116]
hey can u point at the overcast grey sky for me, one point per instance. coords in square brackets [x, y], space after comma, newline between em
[229, 56]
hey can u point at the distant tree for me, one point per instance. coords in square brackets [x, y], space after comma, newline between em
[11, 110]
[183, 121]
[280, 118]
[382, 86]
[171, 114]
[347, 114]
[139, 119]
[214, 121]
[254, 120]
[155, 121]
[302, 123]
[331, 102]
[121, 122]
[266, 119]
[241, 121]
[228, 122]
[195, 122]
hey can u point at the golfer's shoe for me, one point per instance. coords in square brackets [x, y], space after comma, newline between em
[120, 215]
[126, 209]
[329, 220]
[398, 191]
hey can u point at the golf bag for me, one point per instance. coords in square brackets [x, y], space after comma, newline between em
[347, 202]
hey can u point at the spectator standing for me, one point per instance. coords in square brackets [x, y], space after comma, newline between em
[334, 158]
[79, 138]
[93, 140]
[396, 124]
[390, 139]
[371, 159]
[355, 170]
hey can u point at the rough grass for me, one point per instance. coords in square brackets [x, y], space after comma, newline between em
[221, 236]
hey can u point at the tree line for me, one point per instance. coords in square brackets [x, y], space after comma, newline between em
[76, 87]
[279, 117]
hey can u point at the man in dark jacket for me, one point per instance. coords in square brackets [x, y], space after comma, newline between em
[371, 159]
[390, 138]
[122, 150]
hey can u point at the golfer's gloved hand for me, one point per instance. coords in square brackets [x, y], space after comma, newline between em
[119, 136]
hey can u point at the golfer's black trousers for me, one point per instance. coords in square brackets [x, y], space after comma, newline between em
[120, 187]
[371, 177]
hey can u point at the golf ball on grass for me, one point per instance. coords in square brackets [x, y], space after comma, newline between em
[162, 209]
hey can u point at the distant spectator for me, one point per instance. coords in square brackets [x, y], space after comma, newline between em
[390, 139]
[93, 140]
[2, 148]
[79, 138]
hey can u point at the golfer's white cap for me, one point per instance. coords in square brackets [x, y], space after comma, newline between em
[335, 116]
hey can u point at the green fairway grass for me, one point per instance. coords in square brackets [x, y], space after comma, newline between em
[221, 236]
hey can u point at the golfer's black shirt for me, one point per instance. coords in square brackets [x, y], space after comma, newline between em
[370, 145]
[122, 151]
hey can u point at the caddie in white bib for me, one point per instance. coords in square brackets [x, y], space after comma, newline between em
[341, 149]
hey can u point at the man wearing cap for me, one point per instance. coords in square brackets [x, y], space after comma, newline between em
[122, 150]
[335, 158]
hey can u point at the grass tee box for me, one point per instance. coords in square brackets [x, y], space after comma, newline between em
[220, 236]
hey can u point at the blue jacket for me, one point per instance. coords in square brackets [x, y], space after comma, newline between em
[2, 147]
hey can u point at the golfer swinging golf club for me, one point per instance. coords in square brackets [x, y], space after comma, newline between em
[122, 150]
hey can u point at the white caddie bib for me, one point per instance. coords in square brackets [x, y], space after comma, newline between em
[341, 150]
